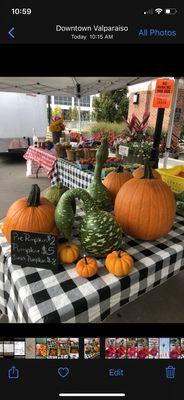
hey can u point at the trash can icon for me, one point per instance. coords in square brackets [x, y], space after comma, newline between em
[170, 372]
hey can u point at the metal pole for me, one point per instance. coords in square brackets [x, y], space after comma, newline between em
[79, 111]
[157, 136]
[171, 122]
[49, 109]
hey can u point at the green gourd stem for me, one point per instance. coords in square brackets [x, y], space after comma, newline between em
[147, 171]
[34, 196]
[64, 214]
[101, 157]
[59, 187]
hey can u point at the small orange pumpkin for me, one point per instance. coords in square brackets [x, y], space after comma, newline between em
[32, 214]
[68, 253]
[87, 267]
[139, 173]
[119, 263]
[115, 180]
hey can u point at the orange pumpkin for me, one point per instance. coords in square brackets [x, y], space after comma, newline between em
[87, 267]
[139, 173]
[115, 180]
[33, 214]
[119, 263]
[145, 208]
[68, 253]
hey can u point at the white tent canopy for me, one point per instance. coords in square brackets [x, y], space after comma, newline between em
[66, 86]
[75, 86]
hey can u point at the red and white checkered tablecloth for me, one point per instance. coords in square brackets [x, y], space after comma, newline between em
[44, 158]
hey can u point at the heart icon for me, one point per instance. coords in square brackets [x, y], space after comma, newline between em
[63, 372]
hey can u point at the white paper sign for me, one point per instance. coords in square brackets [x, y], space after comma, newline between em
[123, 150]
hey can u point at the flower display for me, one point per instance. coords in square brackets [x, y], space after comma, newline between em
[153, 352]
[111, 137]
[113, 352]
[121, 352]
[132, 352]
[75, 137]
[174, 148]
[139, 149]
[143, 353]
[175, 353]
[41, 350]
[57, 124]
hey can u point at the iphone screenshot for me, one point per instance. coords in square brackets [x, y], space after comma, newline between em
[91, 200]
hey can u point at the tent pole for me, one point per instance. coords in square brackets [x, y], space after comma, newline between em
[171, 122]
[79, 111]
[78, 95]
[49, 109]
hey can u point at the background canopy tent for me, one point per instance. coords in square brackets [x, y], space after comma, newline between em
[66, 86]
[74, 86]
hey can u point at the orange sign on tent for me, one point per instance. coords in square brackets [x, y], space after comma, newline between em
[163, 93]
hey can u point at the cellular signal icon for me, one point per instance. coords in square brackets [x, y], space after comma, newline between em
[149, 12]
[159, 10]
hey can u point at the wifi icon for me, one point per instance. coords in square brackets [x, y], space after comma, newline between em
[158, 10]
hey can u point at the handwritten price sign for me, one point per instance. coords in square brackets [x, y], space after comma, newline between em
[30, 249]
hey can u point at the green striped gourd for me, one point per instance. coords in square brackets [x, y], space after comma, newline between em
[96, 189]
[100, 233]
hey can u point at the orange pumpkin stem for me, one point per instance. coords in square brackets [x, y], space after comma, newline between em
[86, 261]
[34, 196]
[120, 169]
[119, 253]
[147, 171]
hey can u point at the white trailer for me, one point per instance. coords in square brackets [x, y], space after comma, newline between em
[19, 114]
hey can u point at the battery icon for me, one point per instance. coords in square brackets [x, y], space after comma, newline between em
[170, 11]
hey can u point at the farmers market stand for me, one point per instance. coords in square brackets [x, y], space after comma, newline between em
[40, 295]
[57, 169]
[66, 172]
[37, 158]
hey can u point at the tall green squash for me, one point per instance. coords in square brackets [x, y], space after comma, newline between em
[100, 233]
[96, 189]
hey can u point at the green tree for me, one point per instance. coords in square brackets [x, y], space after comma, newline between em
[57, 111]
[75, 114]
[69, 114]
[111, 106]
[72, 114]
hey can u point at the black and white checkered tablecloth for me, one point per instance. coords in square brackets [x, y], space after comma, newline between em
[70, 176]
[39, 295]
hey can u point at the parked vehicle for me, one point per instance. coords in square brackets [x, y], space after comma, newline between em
[21, 115]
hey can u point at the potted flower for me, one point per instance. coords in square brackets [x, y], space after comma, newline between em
[56, 127]
[138, 151]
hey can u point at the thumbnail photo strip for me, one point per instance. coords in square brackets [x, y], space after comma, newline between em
[92, 348]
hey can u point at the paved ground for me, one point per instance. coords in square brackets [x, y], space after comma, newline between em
[162, 305]
[14, 183]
